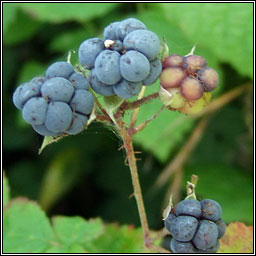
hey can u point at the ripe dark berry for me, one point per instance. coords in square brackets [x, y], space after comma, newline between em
[181, 247]
[211, 210]
[212, 249]
[189, 207]
[57, 104]
[191, 231]
[183, 228]
[89, 50]
[125, 60]
[206, 235]
[221, 227]
[169, 219]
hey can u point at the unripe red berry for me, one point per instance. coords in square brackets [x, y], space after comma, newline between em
[209, 77]
[173, 60]
[193, 63]
[191, 89]
[172, 77]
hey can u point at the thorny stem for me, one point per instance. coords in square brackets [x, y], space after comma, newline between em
[117, 121]
[128, 145]
[133, 105]
[141, 126]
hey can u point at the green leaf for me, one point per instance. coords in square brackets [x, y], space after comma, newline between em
[231, 187]
[76, 248]
[76, 230]
[26, 228]
[111, 103]
[9, 14]
[224, 28]
[63, 171]
[56, 249]
[31, 69]
[6, 191]
[59, 12]
[70, 40]
[118, 239]
[20, 29]
[47, 141]
[237, 239]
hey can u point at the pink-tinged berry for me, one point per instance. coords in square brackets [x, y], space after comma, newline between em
[172, 77]
[193, 63]
[209, 77]
[173, 60]
[191, 89]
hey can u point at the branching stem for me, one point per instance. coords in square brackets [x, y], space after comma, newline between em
[143, 125]
[138, 103]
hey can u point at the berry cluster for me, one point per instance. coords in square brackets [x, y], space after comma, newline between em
[56, 104]
[195, 226]
[187, 81]
[124, 61]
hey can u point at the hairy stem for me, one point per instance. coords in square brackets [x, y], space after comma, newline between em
[138, 103]
[103, 111]
[103, 118]
[128, 145]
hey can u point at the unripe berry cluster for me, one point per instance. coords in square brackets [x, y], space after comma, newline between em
[195, 226]
[186, 83]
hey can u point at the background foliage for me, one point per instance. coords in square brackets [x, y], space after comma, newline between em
[85, 175]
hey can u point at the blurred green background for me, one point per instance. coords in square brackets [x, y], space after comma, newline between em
[85, 174]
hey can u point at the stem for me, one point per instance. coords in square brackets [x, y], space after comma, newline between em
[136, 110]
[102, 118]
[138, 103]
[133, 105]
[145, 123]
[128, 145]
[191, 187]
[103, 111]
